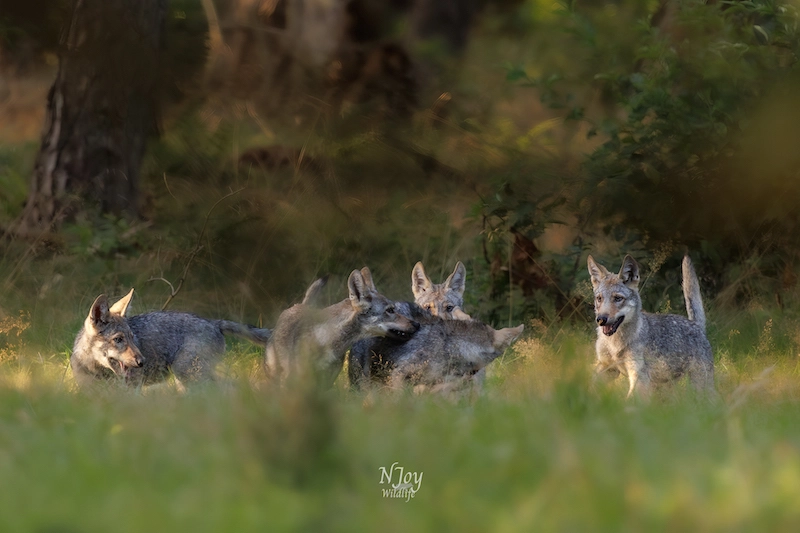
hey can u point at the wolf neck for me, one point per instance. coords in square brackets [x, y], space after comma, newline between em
[341, 331]
[84, 363]
[93, 368]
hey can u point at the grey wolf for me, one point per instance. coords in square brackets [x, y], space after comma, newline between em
[650, 349]
[446, 299]
[309, 339]
[442, 354]
[146, 348]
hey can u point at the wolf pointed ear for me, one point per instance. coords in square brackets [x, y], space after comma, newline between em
[504, 337]
[367, 275]
[121, 305]
[629, 273]
[359, 291]
[420, 283]
[596, 272]
[457, 281]
[99, 313]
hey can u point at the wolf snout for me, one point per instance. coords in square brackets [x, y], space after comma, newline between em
[602, 320]
[138, 360]
[414, 325]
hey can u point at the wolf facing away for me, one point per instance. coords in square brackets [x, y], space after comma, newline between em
[442, 354]
[144, 349]
[307, 338]
[650, 349]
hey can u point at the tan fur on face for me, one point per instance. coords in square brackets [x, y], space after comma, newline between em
[443, 299]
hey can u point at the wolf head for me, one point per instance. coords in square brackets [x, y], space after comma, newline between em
[110, 340]
[377, 316]
[444, 299]
[616, 296]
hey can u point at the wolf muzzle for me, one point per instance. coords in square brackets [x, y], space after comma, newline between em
[609, 328]
[404, 335]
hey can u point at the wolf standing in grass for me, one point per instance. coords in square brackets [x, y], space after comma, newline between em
[649, 348]
[145, 348]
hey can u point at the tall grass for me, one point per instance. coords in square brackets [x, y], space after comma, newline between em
[541, 449]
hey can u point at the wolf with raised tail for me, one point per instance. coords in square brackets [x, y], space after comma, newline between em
[147, 348]
[311, 343]
[649, 348]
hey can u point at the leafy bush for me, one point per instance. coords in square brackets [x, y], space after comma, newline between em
[693, 109]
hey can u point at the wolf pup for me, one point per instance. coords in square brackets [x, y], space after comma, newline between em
[444, 299]
[442, 354]
[649, 348]
[307, 338]
[145, 348]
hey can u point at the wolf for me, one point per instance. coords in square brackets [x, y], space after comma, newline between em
[307, 338]
[650, 349]
[446, 299]
[146, 348]
[442, 354]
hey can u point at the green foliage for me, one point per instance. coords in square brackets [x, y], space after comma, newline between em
[15, 163]
[104, 236]
[185, 50]
[664, 168]
[690, 113]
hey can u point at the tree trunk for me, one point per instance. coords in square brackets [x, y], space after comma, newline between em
[101, 109]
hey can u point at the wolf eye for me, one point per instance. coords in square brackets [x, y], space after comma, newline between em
[119, 341]
[598, 298]
[618, 299]
[430, 307]
[449, 308]
[390, 310]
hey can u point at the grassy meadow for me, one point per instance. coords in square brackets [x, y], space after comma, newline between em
[543, 448]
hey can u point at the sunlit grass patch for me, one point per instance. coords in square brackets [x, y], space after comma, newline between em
[540, 449]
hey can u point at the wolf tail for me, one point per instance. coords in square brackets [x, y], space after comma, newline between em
[314, 291]
[691, 293]
[255, 335]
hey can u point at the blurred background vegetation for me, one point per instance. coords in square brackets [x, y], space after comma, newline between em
[283, 140]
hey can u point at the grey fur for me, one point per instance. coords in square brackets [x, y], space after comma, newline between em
[314, 292]
[691, 293]
[441, 353]
[444, 300]
[650, 349]
[146, 348]
[307, 339]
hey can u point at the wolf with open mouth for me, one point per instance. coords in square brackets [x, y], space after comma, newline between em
[649, 348]
[147, 348]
